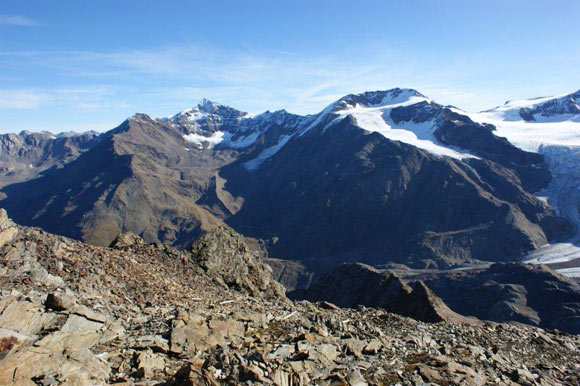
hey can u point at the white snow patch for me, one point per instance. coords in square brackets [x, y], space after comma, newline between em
[198, 139]
[267, 153]
[419, 135]
[530, 136]
[242, 142]
[318, 119]
[570, 272]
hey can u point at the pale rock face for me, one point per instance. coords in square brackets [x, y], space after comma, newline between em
[8, 229]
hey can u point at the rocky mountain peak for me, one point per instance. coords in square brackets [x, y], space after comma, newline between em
[542, 109]
[208, 106]
[206, 118]
[379, 98]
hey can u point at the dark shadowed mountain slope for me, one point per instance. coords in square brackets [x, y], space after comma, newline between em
[351, 285]
[145, 176]
[525, 293]
[340, 194]
[517, 292]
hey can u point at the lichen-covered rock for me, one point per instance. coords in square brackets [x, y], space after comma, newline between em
[226, 256]
[127, 240]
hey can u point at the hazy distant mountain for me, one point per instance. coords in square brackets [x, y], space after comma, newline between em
[26, 155]
[375, 177]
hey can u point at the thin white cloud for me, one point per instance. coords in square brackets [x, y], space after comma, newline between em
[92, 98]
[17, 20]
[20, 99]
[248, 80]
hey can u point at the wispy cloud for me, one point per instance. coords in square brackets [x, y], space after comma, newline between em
[90, 98]
[17, 20]
[20, 99]
[163, 80]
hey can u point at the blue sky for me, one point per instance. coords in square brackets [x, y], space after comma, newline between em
[80, 65]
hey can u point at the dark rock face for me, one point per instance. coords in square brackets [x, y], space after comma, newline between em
[356, 284]
[458, 130]
[346, 195]
[351, 285]
[417, 113]
[504, 292]
[511, 291]
[375, 98]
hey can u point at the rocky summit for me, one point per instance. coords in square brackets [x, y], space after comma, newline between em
[149, 314]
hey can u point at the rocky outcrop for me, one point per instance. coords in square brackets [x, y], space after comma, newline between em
[352, 285]
[225, 256]
[8, 228]
[52, 347]
[128, 240]
[72, 313]
[565, 106]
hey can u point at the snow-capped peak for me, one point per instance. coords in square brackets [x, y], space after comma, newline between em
[209, 106]
[384, 98]
[380, 111]
[210, 124]
[544, 109]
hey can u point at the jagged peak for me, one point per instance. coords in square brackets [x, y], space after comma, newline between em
[210, 106]
[379, 98]
[206, 108]
[139, 117]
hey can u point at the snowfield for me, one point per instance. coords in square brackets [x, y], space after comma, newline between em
[199, 139]
[557, 137]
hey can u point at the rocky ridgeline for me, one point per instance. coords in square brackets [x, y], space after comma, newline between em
[148, 314]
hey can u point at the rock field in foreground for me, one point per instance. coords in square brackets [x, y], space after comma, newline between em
[75, 314]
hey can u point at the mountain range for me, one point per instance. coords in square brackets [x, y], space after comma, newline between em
[385, 178]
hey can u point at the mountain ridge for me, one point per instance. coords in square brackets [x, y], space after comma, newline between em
[178, 177]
